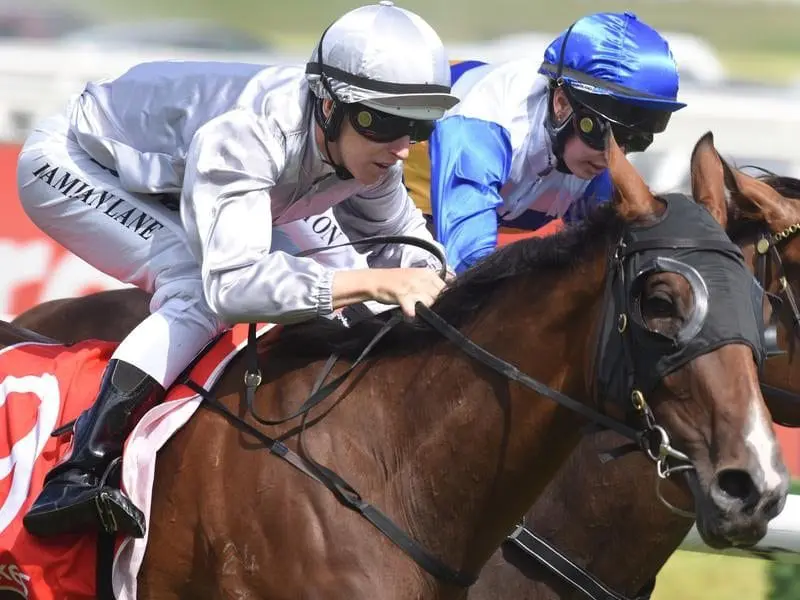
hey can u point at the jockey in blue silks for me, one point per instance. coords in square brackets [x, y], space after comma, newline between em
[524, 147]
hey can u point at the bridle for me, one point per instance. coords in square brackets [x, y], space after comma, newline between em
[767, 248]
[531, 545]
[767, 255]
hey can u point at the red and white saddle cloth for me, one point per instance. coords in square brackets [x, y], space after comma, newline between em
[43, 387]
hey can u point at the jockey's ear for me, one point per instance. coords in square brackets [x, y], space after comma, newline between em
[632, 197]
[707, 171]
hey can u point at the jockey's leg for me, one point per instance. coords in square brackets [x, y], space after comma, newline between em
[139, 241]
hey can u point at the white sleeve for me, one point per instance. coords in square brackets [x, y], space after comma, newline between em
[232, 163]
[387, 209]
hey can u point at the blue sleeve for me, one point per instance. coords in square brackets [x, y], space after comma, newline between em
[470, 161]
[599, 191]
[458, 68]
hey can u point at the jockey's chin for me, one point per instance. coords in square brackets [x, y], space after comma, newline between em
[583, 160]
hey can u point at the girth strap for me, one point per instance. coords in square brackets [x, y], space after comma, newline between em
[539, 549]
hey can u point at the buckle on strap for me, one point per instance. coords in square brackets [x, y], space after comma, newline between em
[517, 530]
[106, 514]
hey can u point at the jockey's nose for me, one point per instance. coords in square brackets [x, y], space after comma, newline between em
[401, 147]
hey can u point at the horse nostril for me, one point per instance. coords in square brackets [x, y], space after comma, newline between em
[739, 485]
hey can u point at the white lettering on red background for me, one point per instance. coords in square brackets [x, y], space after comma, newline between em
[17, 461]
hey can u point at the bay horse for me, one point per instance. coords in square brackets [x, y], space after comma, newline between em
[450, 449]
[597, 514]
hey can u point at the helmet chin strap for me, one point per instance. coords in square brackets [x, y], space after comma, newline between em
[340, 171]
[330, 124]
[559, 133]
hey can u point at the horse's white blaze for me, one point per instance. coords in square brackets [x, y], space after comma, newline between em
[761, 440]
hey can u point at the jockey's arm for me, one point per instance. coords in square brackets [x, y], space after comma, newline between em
[231, 166]
[470, 161]
[387, 209]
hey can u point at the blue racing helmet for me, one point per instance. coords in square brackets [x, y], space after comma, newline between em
[618, 74]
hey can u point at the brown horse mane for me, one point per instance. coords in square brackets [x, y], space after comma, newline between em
[465, 296]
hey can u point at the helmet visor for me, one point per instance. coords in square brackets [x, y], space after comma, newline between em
[619, 112]
[595, 115]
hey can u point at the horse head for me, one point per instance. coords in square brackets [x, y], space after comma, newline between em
[697, 324]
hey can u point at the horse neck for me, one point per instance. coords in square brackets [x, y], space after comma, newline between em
[467, 451]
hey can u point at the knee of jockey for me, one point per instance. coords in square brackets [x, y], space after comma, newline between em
[185, 301]
[592, 95]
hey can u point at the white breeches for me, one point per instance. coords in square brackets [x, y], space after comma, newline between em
[134, 238]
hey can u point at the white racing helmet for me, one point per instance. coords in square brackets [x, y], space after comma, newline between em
[386, 58]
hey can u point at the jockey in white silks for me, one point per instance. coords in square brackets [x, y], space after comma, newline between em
[526, 145]
[243, 148]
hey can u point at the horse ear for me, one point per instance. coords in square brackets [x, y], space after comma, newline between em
[633, 199]
[708, 178]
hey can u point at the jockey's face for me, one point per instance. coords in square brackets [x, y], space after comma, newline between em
[367, 160]
[584, 161]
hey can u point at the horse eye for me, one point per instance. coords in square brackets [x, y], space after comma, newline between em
[658, 306]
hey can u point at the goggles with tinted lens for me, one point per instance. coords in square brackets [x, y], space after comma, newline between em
[595, 114]
[593, 131]
[382, 127]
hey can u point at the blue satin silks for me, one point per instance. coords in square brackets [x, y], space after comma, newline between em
[618, 48]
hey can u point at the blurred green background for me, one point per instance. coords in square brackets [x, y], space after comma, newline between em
[757, 39]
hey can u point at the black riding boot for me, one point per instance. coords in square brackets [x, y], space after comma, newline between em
[76, 497]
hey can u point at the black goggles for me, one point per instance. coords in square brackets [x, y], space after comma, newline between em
[382, 127]
[633, 126]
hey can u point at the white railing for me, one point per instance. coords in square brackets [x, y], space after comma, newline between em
[782, 540]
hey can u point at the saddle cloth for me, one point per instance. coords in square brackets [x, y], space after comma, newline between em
[45, 386]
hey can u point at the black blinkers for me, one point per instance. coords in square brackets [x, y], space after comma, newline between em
[727, 308]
